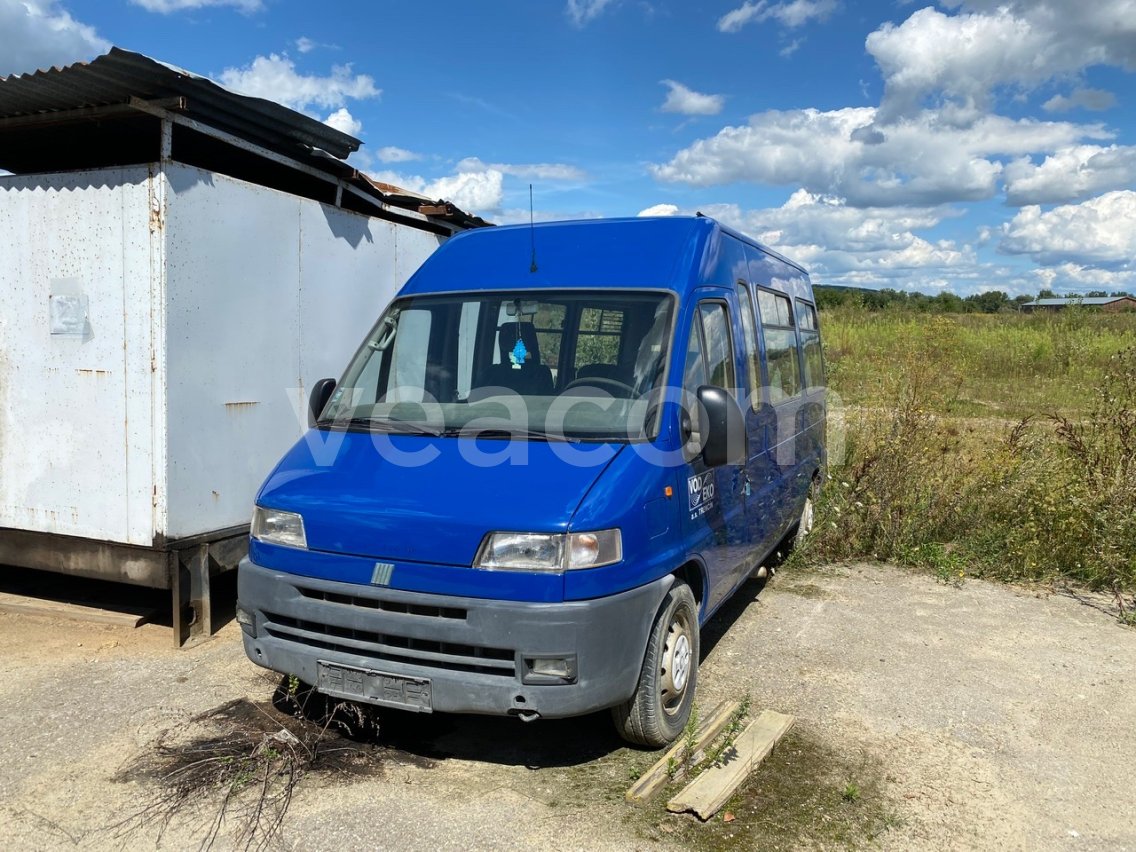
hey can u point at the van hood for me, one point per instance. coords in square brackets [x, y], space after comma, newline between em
[364, 502]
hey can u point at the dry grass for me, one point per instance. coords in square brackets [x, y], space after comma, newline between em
[1050, 494]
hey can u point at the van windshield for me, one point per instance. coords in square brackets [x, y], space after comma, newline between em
[540, 364]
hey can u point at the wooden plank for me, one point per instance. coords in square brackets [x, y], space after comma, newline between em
[73, 611]
[713, 788]
[656, 778]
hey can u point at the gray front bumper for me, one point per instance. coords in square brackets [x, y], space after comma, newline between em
[472, 650]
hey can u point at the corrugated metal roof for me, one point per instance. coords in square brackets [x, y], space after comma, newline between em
[1076, 300]
[118, 75]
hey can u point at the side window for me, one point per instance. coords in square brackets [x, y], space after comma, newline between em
[780, 346]
[410, 353]
[810, 345]
[694, 373]
[693, 377]
[719, 345]
[753, 357]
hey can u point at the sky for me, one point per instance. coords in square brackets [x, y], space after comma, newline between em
[968, 145]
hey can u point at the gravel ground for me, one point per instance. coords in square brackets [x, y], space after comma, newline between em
[996, 718]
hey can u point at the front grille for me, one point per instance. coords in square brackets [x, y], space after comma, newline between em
[449, 612]
[426, 653]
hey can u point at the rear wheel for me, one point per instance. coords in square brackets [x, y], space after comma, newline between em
[658, 711]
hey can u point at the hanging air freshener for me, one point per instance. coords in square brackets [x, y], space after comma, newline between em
[519, 354]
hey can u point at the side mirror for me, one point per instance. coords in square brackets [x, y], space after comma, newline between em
[321, 393]
[725, 433]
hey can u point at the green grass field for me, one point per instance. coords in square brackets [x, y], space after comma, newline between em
[998, 365]
[994, 445]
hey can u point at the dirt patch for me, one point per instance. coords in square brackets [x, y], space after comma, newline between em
[806, 794]
[804, 590]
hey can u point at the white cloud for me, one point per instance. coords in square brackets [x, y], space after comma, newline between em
[1076, 278]
[923, 161]
[165, 7]
[854, 246]
[305, 44]
[581, 12]
[1070, 174]
[962, 57]
[1100, 231]
[520, 216]
[343, 121]
[791, 48]
[1090, 99]
[40, 33]
[479, 187]
[686, 101]
[391, 154]
[473, 191]
[660, 210]
[795, 13]
[526, 171]
[275, 77]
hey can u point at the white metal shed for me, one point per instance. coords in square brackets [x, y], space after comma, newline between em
[171, 283]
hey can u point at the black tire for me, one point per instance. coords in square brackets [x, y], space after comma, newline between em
[658, 711]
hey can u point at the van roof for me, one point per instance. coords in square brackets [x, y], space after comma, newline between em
[659, 252]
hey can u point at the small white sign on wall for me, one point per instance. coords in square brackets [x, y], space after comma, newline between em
[69, 314]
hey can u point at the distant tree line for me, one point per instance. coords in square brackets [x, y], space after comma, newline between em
[990, 302]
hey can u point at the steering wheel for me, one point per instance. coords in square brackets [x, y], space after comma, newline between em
[601, 381]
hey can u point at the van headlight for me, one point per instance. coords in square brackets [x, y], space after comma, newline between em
[512, 551]
[274, 526]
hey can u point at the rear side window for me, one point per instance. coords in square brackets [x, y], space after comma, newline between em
[810, 345]
[806, 316]
[775, 309]
[780, 346]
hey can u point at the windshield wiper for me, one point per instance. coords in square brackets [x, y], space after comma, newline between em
[510, 432]
[386, 424]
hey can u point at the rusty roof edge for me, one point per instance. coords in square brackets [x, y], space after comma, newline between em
[440, 210]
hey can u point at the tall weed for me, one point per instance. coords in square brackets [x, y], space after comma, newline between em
[1053, 494]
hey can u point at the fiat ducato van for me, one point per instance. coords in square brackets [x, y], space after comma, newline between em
[558, 452]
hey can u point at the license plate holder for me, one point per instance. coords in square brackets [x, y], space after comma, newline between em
[374, 687]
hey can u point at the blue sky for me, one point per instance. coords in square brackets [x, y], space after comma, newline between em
[968, 145]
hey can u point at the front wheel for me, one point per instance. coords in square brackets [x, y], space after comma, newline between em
[658, 711]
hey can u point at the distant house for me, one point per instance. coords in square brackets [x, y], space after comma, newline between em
[1104, 303]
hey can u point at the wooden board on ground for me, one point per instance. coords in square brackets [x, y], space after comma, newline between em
[713, 788]
[656, 778]
[74, 611]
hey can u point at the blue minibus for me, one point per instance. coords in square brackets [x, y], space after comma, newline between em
[558, 452]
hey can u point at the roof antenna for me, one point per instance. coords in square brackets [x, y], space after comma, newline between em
[532, 231]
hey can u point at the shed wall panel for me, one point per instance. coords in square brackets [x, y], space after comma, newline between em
[267, 293]
[232, 362]
[74, 437]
